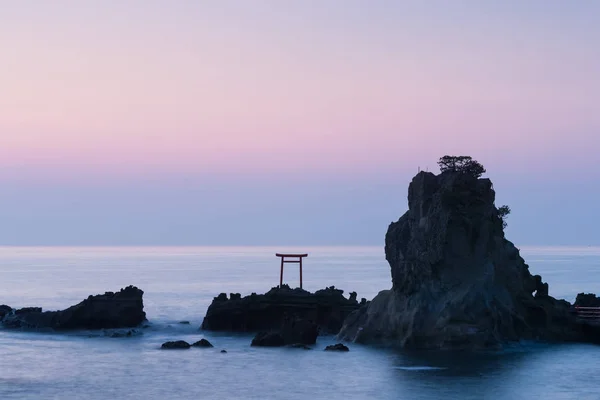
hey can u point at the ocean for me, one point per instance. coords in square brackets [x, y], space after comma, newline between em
[179, 284]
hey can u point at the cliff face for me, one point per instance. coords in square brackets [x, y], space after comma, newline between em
[456, 281]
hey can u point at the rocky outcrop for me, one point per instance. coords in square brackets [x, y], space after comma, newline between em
[268, 312]
[456, 281]
[337, 347]
[587, 300]
[124, 309]
[203, 343]
[4, 310]
[175, 345]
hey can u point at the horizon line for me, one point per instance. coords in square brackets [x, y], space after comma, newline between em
[5, 246]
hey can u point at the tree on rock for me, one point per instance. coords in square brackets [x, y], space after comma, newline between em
[461, 164]
[503, 213]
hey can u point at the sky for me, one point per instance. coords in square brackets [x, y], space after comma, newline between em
[279, 122]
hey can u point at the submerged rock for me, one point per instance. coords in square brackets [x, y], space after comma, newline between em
[202, 343]
[326, 308]
[456, 281]
[121, 334]
[124, 309]
[177, 344]
[300, 346]
[337, 347]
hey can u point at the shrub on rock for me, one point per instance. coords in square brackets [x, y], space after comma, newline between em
[461, 164]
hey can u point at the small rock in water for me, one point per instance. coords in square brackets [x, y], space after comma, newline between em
[202, 343]
[223, 351]
[184, 322]
[178, 344]
[337, 347]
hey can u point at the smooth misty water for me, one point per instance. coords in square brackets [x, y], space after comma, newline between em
[179, 284]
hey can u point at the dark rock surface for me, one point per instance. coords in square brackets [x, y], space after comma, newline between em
[337, 347]
[268, 339]
[124, 309]
[202, 343]
[4, 310]
[294, 331]
[254, 313]
[175, 345]
[299, 330]
[456, 281]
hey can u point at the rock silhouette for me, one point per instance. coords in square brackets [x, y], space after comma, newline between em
[202, 343]
[123, 309]
[457, 282]
[175, 345]
[337, 347]
[326, 308]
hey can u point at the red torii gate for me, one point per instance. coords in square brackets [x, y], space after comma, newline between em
[297, 258]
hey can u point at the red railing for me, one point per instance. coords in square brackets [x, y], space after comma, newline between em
[587, 313]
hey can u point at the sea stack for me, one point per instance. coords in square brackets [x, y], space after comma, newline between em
[457, 282]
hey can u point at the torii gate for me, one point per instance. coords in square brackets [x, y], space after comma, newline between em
[297, 258]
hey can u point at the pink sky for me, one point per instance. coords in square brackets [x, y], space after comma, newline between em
[153, 122]
[124, 88]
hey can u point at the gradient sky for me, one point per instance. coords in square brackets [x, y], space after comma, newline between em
[290, 122]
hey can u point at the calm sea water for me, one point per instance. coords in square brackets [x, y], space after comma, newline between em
[179, 284]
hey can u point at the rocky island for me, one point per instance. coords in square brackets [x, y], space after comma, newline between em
[457, 282]
[123, 309]
[282, 316]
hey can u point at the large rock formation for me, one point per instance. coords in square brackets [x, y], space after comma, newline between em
[124, 309]
[268, 312]
[456, 281]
